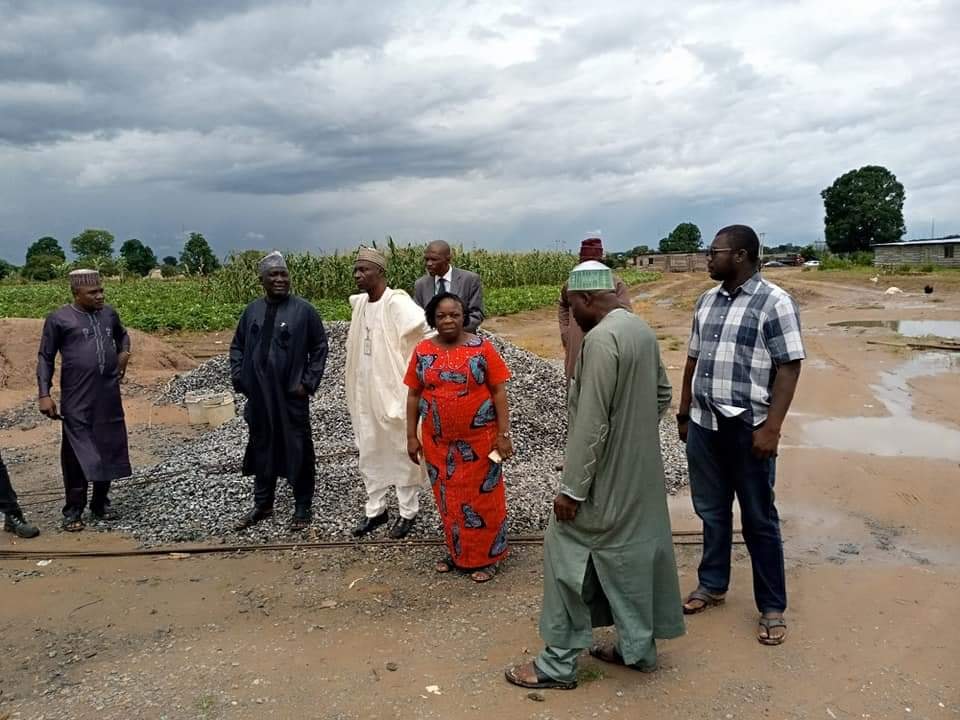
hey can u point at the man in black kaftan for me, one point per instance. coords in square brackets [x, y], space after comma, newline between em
[94, 349]
[277, 359]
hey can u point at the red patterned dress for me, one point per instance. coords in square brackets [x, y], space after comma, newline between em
[459, 430]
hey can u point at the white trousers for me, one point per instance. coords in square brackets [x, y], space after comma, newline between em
[407, 498]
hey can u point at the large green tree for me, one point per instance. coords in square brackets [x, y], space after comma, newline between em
[140, 258]
[197, 257]
[862, 208]
[685, 238]
[6, 269]
[92, 243]
[46, 246]
[42, 259]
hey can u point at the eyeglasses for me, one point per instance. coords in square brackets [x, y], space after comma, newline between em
[713, 252]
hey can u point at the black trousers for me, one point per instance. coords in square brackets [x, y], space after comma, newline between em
[265, 489]
[8, 498]
[75, 485]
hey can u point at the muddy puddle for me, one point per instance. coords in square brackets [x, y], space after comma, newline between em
[908, 328]
[900, 433]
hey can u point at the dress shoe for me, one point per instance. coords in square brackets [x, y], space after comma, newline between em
[253, 517]
[401, 527]
[17, 525]
[370, 524]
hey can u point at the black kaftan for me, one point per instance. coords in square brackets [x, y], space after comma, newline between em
[276, 348]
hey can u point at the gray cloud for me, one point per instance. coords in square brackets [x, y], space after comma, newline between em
[321, 124]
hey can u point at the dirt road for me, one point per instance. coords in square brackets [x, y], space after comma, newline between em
[868, 489]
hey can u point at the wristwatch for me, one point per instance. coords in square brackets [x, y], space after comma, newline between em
[683, 417]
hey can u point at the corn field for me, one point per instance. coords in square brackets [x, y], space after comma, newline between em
[330, 277]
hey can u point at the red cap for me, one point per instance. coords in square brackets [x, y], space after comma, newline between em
[591, 249]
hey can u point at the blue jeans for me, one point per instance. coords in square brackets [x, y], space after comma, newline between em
[722, 465]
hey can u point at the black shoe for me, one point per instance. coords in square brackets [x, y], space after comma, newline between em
[300, 520]
[17, 525]
[370, 524]
[401, 527]
[253, 517]
[100, 514]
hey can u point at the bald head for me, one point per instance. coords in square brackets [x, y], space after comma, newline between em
[437, 258]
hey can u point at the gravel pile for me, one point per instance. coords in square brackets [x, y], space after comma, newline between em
[198, 493]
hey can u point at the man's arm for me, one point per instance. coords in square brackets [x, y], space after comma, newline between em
[664, 388]
[474, 302]
[766, 438]
[50, 340]
[563, 315]
[122, 340]
[587, 440]
[317, 349]
[237, 348]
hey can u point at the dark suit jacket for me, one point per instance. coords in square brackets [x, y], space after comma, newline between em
[463, 283]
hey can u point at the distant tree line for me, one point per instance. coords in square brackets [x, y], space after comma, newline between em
[46, 260]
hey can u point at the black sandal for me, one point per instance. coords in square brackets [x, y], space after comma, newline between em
[73, 523]
[767, 624]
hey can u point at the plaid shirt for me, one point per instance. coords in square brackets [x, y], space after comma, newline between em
[739, 339]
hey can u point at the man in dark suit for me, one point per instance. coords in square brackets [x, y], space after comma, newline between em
[442, 277]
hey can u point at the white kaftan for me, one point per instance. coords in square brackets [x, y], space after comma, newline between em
[376, 396]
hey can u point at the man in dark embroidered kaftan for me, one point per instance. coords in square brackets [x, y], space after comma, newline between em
[277, 359]
[94, 349]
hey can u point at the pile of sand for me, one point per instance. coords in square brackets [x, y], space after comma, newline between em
[152, 359]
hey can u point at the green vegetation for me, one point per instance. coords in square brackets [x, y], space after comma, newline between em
[864, 258]
[685, 238]
[862, 208]
[216, 301]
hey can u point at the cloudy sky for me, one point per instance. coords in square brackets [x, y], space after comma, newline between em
[320, 125]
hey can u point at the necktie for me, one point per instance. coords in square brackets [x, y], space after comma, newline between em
[441, 286]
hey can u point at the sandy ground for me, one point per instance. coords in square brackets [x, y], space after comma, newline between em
[868, 489]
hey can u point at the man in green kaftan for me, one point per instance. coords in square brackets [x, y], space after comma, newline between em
[608, 551]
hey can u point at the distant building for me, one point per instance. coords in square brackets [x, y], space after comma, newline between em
[936, 251]
[672, 262]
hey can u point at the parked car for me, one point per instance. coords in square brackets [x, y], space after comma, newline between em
[774, 263]
[812, 263]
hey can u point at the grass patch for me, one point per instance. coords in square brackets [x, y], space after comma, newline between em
[589, 675]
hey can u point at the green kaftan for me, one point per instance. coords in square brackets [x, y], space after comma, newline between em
[613, 464]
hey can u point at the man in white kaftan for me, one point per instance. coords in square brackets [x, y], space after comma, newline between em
[385, 327]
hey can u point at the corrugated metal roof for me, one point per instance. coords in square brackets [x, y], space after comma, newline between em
[941, 241]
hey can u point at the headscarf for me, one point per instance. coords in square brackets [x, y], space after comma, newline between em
[270, 262]
[84, 278]
[590, 276]
[372, 255]
[591, 249]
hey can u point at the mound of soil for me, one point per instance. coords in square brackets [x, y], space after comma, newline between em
[152, 359]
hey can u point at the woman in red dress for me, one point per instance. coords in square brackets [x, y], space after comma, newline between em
[457, 387]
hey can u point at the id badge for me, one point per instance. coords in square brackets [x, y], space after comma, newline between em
[367, 346]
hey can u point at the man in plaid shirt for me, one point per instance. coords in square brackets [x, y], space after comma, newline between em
[742, 368]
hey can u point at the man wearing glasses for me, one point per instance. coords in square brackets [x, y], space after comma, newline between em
[743, 363]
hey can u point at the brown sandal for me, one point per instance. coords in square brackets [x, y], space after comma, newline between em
[484, 574]
[542, 682]
[444, 565]
[706, 599]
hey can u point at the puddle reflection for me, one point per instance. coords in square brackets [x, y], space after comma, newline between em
[900, 433]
